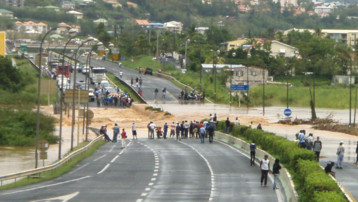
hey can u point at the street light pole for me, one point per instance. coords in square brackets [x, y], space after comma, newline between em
[186, 51]
[61, 101]
[73, 90]
[263, 90]
[287, 89]
[350, 94]
[39, 98]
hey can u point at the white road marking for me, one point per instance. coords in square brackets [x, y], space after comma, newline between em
[79, 168]
[46, 186]
[100, 157]
[278, 193]
[143, 194]
[139, 200]
[153, 179]
[155, 174]
[147, 189]
[210, 169]
[114, 158]
[63, 198]
[105, 167]
[112, 148]
[156, 170]
[156, 167]
[151, 184]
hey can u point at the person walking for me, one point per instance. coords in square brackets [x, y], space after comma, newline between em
[275, 171]
[309, 142]
[252, 153]
[172, 130]
[264, 166]
[227, 125]
[134, 131]
[155, 93]
[140, 81]
[202, 134]
[178, 130]
[186, 129]
[165, 130]
[340, 154]
[115, 132]
[164, 91]
[211, 130]
[317, 146]
[124, 137]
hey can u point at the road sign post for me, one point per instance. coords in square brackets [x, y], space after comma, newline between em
[239, 87]
[287, 112]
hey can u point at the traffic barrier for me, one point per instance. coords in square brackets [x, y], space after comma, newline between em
[284, 176]
[37, 171]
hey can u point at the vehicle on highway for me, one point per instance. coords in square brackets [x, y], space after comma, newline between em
[65, 70]
[97, 74]
[148, 71]
[85, 70]
[91, 95]
[110, 89]
[104, 84]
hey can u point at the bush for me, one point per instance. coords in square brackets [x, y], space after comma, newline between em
[311, 181]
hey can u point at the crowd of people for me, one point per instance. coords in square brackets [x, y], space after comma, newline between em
[193, 95]
[106, 98]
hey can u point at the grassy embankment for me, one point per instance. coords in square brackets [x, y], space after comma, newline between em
[327, 96]
[17, 118]
[115, 80]
[58, 171]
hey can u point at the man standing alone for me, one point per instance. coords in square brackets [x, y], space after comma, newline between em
[252, 153]
[115, 132]
[264, 166]
[340, 154]
[165, 130]
[227, 124]
[317, 146]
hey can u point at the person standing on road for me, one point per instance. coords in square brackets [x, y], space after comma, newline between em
[275, 171]
[134, 131]
[309, 142]
[155, 93]
[202, 134]
[178, 130]
[264, 166]
[182, 130]
[340, 154]
[227, 125]
[317, 146]
[132, 81]
[172, 130]
[152, 127]
[115, 132]
[164, 91]
[165, 130]
[140, 81]
[215, 118]
[124, 137]
[211, 131]
[186, 129]
[252, 153]
[237, 121]
[302, 139]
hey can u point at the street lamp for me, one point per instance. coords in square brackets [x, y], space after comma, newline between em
[73, 90]
[186, 51]
[39, 98]
[231, 73]
[62, 97]
[88, 64]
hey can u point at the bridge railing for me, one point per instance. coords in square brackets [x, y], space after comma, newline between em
[37, 171]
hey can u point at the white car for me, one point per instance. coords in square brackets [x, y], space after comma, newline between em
[104, 84]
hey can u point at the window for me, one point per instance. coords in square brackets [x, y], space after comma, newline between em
[239, 73]
[253, 73]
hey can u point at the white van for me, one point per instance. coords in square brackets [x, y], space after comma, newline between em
[104, 84]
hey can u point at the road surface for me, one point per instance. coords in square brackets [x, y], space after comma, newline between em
[155, 170]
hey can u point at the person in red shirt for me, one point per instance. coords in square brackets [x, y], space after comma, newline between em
[124, 137]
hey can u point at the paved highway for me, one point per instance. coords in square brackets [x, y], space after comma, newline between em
[154, 170]
[149, 82]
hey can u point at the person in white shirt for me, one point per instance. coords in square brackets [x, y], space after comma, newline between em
[264, 166]
[134, 131]
[237, 121]
[340, 154]
[152, 127]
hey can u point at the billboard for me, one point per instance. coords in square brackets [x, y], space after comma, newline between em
[2, 43]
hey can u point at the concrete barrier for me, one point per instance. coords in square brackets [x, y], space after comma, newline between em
[284, 177]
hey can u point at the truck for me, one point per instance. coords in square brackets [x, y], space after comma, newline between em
[65, 70]
[97, 74]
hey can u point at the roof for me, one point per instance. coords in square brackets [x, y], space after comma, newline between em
[5, 11]
[156, 24]
[283, 44]
[74, 12]
[141, 22]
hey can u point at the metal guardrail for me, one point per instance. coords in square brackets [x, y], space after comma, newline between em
[284, 176]
[35, 171]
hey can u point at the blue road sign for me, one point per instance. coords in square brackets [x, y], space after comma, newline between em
[287, 112]
[240, 87]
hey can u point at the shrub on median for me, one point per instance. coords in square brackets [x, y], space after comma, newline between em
[310, 179]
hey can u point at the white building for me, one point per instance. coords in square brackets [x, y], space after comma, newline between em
[282, 49]
[30, 27]
[173, 26]
[77, 14]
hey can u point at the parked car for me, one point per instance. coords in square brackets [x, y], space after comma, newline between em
[91, 95]
[148, 71]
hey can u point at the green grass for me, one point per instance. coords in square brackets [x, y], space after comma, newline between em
[66, 167]
[114, 79]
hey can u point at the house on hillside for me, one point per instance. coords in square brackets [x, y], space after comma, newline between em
[64, 28]
[30, 27]
[141, 23]
[68, 5]
[77, 14]
[240, 74]
[13, 3]
[6, 13]
[156, 25]
[201, 30]
[282, 49]
[131, 4]
[101, 20]
[173, 26]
